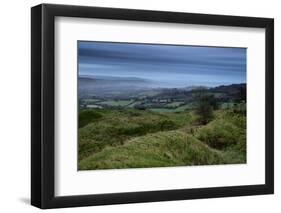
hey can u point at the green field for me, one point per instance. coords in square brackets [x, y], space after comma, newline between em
[174, 104]
[116, 103]
[133, 104]
[178, 109]
[91, 100]
[131, 138]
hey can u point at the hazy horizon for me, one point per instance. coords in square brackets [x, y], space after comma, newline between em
[167, 66]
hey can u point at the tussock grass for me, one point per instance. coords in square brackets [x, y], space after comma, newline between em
[227, 133]
[171, 148]
[113, 127]
[133, 138]
[227, 130]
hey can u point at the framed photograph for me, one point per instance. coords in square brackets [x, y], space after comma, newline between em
[139, 106]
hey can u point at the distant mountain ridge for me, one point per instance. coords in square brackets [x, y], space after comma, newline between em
[110, 86]
[124, 87]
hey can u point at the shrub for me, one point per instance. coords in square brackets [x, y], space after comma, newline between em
[88, 116]
[220, 134]
[204, 106]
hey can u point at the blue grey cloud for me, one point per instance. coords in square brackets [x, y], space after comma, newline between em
[176, 65]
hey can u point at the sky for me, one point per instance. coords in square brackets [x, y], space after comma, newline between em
[169, 65]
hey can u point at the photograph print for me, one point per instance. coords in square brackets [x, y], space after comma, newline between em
[160, 105]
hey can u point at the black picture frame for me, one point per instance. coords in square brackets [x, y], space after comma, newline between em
[43, 117]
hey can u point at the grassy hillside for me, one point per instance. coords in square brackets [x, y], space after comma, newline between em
[171, 148]
[103, 127]
[130, 138]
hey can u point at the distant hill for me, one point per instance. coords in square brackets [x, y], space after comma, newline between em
[132, 87]
[224, 92]
[233, 88]
[104, 86]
